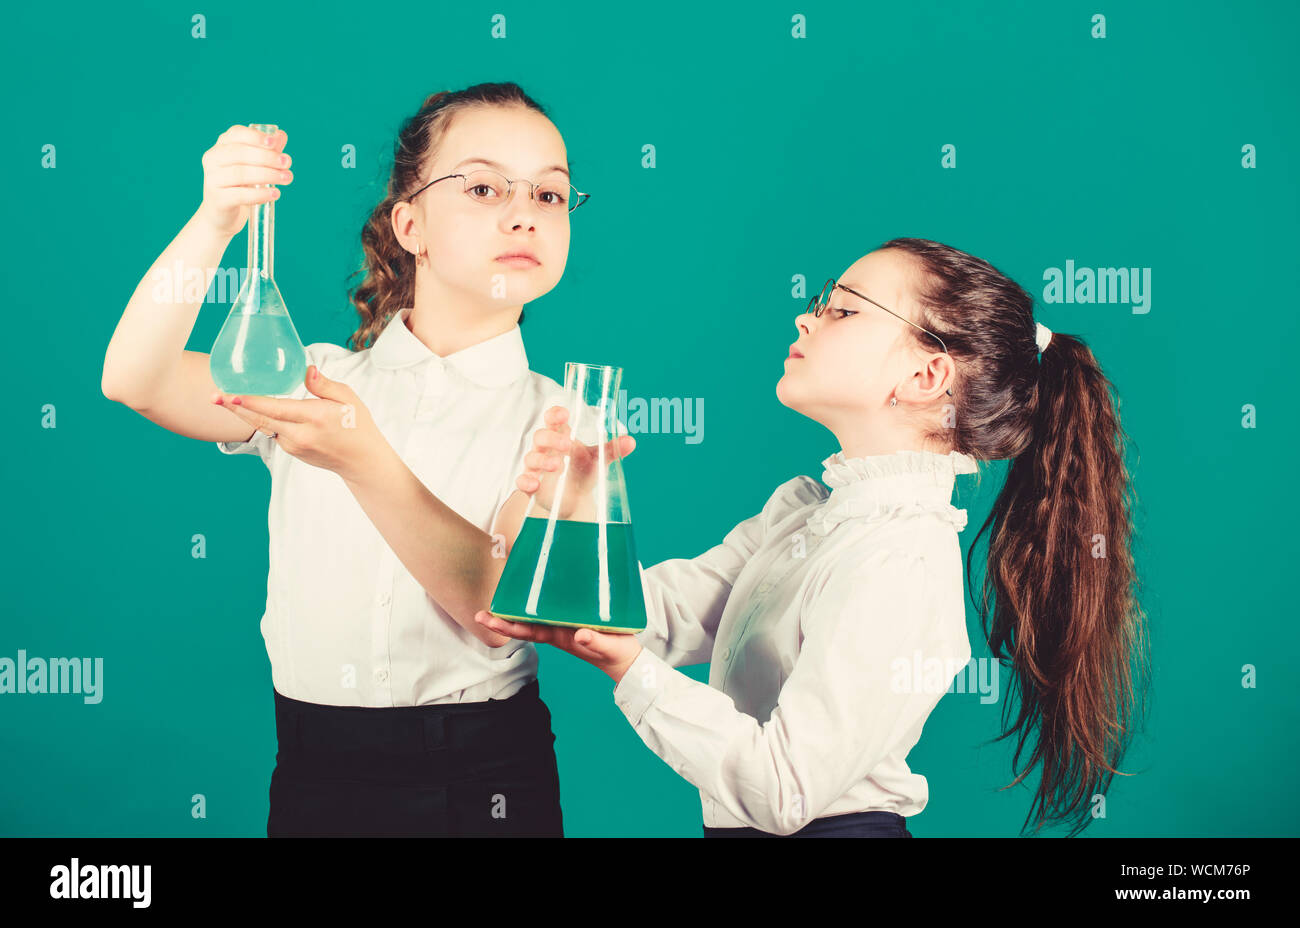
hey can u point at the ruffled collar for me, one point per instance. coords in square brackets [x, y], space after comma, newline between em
[882, 486]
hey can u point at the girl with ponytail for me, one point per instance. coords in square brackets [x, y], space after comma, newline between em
[922, 360]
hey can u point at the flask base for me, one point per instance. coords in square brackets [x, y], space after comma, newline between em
[598, 626]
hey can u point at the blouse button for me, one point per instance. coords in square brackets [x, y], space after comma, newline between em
[435, 383]
[726, 653]
[764, 587]
[381, 675]
[384, 599]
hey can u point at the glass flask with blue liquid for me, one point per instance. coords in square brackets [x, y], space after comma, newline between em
[258, 351]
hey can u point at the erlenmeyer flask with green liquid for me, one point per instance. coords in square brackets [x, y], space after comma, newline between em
[258, 351]
[575, 563]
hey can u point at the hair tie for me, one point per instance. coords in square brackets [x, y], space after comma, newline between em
[1043, 336]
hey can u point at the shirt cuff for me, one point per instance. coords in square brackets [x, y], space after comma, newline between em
[644, 680]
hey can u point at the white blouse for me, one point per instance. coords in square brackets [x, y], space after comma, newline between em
[834, 622]
[345, 623]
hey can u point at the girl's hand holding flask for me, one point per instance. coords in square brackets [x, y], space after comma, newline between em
[611, 652]
[545, 466]
[235, 170]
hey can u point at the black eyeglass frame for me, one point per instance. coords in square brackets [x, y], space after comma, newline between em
[578, 196]
[818, 304]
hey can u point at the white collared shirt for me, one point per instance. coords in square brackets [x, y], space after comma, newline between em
[345, 622]
[815, 614]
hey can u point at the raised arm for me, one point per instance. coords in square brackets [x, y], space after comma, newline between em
[146, 366]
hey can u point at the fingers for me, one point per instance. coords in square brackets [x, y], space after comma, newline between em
[547, 456]
[597, 647]
[251, 136]
[620, 447]
[594, 645]
[239, 174]
[242, 158]
[556, 415]
[257, 420]
[549, 440]
[279, 409]
[525, 631]
[243, 153]
[541, 460]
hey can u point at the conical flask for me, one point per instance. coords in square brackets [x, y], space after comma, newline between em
[575, 562]
[258, 351]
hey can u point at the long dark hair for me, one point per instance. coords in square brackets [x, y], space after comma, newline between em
[1066, 610]
[389, 269]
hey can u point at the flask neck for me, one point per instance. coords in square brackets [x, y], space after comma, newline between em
[261, 241]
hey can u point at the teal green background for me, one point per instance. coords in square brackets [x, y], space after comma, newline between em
[776, 157]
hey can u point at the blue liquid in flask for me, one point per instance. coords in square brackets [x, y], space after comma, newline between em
[259, 354]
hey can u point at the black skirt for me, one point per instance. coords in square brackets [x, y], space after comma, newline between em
[478, 769]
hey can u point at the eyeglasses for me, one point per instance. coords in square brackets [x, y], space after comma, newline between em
[817, 306]
[490, 188]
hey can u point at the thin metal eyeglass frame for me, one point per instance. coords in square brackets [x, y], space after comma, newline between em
[817, 306]
[579, 197]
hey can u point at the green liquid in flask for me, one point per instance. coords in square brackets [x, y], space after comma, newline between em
[267, 350]
[570, 584]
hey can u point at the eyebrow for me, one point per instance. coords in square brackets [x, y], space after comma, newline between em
[501, 167]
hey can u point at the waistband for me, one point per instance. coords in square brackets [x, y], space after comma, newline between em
[306, 727]
[526, 693]
[869, 817]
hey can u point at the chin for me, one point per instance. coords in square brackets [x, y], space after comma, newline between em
[783, 394]
[521, 286]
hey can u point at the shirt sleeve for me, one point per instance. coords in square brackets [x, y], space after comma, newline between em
[849, 701]
[264, 445]
[685, 597]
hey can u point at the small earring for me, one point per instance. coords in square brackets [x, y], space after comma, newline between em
[893, 401]
[419, 253]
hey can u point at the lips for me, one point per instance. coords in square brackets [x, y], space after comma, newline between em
[519, 259]
[794, 353]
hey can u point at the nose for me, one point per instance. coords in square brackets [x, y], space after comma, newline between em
[520, 210]
[804, 322]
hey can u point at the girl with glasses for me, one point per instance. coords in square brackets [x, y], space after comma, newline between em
[395, 713]
[834, 618]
